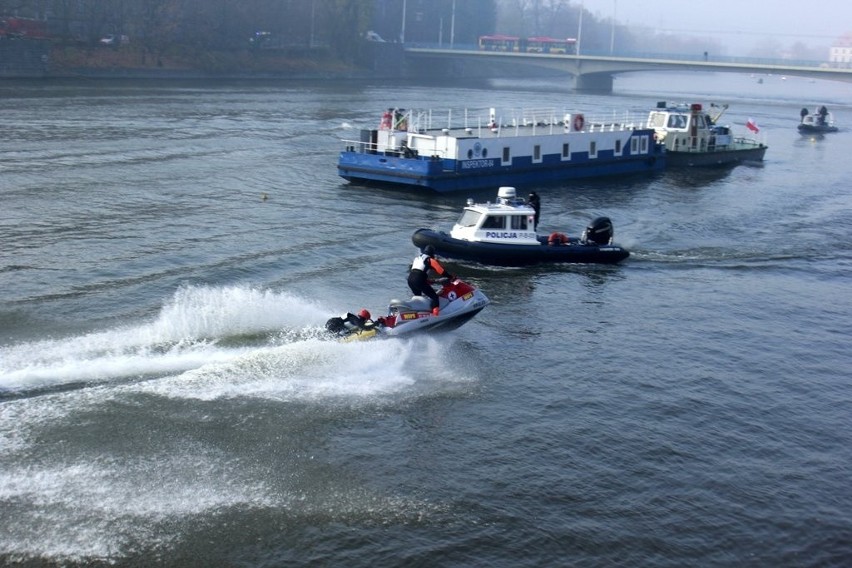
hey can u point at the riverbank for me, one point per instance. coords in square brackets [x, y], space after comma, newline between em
[35, 59]
[135, 62]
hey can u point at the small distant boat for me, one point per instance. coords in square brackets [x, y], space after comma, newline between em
[693, 138]
[467, 152]
[818, 122]
[503, 234]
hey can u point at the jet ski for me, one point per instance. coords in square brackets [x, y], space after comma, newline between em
[458, 302]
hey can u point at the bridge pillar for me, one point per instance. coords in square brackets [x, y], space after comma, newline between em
[593, 82]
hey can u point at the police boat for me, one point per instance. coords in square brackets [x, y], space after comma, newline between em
[503, 234]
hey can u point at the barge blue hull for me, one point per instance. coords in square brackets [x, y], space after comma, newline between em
[518, 255]
[459, 175]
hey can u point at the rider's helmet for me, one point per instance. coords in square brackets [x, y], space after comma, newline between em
[364, 314]
[429, 250]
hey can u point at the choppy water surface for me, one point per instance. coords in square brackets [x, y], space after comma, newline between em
[167, 395]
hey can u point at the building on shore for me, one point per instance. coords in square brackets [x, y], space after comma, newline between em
[840, 53]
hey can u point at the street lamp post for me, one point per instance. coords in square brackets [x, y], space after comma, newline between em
[402, 29]
[612, 32]
[453, 26]
[580, 29]
[313, 17]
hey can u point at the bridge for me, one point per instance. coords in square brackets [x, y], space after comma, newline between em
[595, 72]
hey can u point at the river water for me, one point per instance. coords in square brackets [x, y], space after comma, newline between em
[170, 252]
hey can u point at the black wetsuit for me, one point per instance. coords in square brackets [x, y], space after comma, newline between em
[418, 279]
[535, 203]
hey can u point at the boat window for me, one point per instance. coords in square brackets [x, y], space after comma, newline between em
[507, 156]
[519, 222]
[593, 149]
[618, 147]
[657, 120]
[536, 153]
[493, 222]
[566, 150]
[677, 121]
[469, 218]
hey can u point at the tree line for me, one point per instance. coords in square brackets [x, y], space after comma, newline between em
[338, 25]
[201, 24]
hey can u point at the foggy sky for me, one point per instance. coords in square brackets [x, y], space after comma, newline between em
[739, 23]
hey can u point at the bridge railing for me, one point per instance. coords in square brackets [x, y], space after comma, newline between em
[697, 57]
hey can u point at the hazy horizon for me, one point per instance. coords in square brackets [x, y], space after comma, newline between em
[740, 25]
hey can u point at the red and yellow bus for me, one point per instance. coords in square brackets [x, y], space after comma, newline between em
[499, 43]
[540, 44]
[550, 45]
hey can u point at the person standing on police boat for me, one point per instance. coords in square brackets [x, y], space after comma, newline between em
[535, 203]
[418, 276]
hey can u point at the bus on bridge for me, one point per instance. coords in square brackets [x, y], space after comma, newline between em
[539, 44]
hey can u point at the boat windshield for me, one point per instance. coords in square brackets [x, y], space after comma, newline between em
[667, 120]
[657, 120]
[469, 218]
[494, 222]
[519, 222]
[677, 121]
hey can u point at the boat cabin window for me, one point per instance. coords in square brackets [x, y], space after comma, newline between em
[494, 222]
[507, 155]
[519, 222]
[657, 120]
[469, 218]
[677, 121]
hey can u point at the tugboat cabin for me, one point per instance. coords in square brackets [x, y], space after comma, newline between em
[692, 137]
[685, 128]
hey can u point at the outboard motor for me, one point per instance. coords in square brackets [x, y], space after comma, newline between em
[599, 231]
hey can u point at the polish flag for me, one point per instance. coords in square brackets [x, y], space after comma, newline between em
[752, 125]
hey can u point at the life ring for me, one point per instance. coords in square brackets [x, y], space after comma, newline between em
[557, 239]
[579, 121]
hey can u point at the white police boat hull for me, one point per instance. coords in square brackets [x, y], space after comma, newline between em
[573, 250]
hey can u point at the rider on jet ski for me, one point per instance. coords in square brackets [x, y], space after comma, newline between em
[361, 321]
[418, 277]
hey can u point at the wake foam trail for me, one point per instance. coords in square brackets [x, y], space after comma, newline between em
[187, 334]
[93, 508]
[313, 370]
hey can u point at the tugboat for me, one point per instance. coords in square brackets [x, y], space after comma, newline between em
[529, 147]
[693, 138]
[503, 234]
[818, 122]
